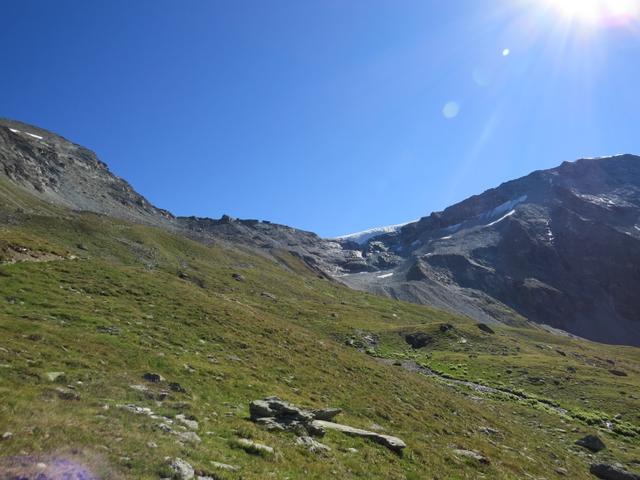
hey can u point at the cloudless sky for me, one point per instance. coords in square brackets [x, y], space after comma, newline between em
[327, 115]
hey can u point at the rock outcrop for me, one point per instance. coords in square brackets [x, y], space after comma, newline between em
[276, 414]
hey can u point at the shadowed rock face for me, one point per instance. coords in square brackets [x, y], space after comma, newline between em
[559, 247]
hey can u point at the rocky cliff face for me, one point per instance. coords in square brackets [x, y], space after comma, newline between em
[66, 174]
[559, 247]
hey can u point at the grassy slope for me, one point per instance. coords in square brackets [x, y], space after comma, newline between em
[137, 299]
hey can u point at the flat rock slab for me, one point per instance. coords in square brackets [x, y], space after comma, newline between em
[392, 443]
[250, 446]
[472, 454]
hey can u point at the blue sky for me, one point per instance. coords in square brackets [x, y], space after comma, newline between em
[326, 115]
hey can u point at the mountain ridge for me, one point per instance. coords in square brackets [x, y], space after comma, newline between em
[503, 255]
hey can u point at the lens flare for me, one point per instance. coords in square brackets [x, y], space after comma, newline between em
[596, 12]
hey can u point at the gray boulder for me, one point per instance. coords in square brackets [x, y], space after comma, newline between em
[153, 377]
[312, 445]
[326, 413]
[181, 469]
[612, 472]
[591, 442]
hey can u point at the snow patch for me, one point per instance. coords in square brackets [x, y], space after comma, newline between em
[549, 233]
[386, 275]
[446, 238]
[505, 207]
[637, 227]
[501, 218]
[362, 237]
[26, 133]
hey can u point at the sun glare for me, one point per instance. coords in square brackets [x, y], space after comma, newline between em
[597, 11]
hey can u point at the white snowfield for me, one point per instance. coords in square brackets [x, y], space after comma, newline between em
[501, 218]
[386, 275]
[26, 133]
[362, 237]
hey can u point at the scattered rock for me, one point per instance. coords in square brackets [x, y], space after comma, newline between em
[270, 296]
[181, 469]
[445, 327]
[136, 409]
[363, 341]
[108, 329]
[252, 447]
[485, 328]
[189, 437]
[139, 388]
[152, 445]
[238, 277]
[562, 471]
[67, 394]
[226, 467]
[176, 387]
[472, 454]
[418, 339]
[55, 376]
[612, 472]
[591, 442]
[7, 436]
[312, 445]
[618, 373]
[153, 377]
[189, 423]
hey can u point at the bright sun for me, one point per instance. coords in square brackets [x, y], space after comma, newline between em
[597, 11]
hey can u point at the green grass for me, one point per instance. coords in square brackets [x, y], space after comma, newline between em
[140, 300]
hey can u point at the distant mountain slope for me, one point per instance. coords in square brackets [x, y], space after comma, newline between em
[362, 237]
[560, 247]
[60, 172]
